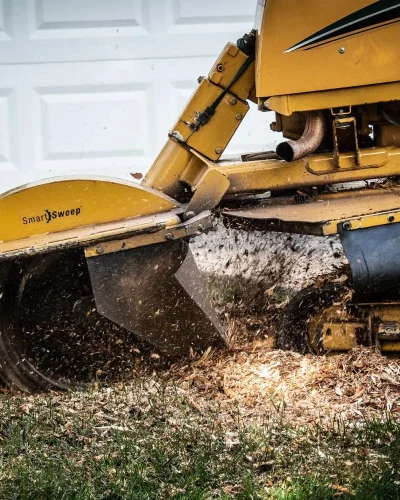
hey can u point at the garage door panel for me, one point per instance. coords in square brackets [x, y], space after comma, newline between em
[180, 92]
[77, 19]
[187, 16]
[88, 122]
[6, 23]
[35, 31]
[8, 146]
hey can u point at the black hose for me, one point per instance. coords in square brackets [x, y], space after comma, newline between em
[247, 45]
[388, 117]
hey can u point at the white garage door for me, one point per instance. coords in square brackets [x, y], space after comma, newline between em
[92, 86]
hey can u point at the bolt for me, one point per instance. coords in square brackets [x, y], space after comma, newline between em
[200, 227]
[342, 50]
[239, 116]
[177, 135]
[218, 151]
[266, 104]
[169, 236]
[220, 68]
[391, 218]
[233, 101]
[99, 250]
[347, 226]
[200, 79]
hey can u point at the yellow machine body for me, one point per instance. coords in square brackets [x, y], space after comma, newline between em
[315, 46]
[68, 203]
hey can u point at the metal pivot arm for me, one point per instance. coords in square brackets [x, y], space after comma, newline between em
[209, 120]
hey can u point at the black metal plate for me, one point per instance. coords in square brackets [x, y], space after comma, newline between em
[374, 257]
[158, 293]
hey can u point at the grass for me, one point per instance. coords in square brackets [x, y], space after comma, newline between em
[148, 441]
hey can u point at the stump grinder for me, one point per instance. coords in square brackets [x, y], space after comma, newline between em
[94, 250]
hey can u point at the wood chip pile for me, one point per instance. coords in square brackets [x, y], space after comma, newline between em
[256, 380]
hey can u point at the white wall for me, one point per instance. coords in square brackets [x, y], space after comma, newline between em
[92, 86]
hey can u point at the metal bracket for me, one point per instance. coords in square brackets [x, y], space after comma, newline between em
[342, 124]
[195, 226]
[343, 336]
[209, 193]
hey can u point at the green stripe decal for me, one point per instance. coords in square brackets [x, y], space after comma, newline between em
[383, 11]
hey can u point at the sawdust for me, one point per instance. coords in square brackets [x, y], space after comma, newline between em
[256, 380]
[293, 261]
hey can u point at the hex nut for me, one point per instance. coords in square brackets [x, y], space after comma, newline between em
[239, 116]
[233, 101]
[218, 151]
[99, 250]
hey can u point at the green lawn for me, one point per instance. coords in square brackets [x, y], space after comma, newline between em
[146, 440]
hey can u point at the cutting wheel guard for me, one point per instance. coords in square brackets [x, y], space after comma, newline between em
[158, 293]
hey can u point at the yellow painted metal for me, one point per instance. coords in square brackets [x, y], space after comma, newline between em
[64, 204]
[364, 221]
[272, 175]
[367, 158]
[174, 230]
[176, 166]
[323, 213]
[225, 68]
[390, 347]
[165, 173]
[385, 319]
[341, 336]
[208, 194]
[288, 104]
[371, 57]
[387, 135]
[334, 328]
[386, 312]
[195, 170]
[212, 138]
[151, 225]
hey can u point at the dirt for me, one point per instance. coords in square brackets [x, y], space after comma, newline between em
[63, 335]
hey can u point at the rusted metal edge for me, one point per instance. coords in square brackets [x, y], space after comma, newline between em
[195, 226]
